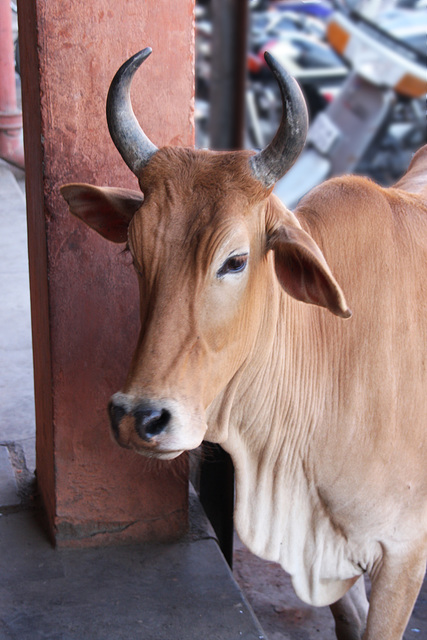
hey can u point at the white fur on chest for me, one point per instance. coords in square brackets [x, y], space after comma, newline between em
[279, 519]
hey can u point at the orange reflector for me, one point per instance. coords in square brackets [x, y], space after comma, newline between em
[254, 63]
[411, 86]
[337, 37]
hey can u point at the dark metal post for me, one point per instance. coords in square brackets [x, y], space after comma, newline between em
[217, 495]
[227, 104]
[228, 73]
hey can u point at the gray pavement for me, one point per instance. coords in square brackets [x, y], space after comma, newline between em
[182, 591]
[17, 430]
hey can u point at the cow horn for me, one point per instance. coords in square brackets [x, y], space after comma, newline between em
[270, 164]
[131, 142]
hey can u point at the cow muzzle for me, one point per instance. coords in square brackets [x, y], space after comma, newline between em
[161, 428]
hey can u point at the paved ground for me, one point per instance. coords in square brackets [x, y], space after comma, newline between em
[17, 430]
[181, 591]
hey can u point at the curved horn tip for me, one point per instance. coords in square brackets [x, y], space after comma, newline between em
[138, 58]
[270, 60]
[271, 163]
[134, 146]
[129, 67]
[278, 69]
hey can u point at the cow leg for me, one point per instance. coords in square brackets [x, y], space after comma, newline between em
[350, 612]
[395, 587]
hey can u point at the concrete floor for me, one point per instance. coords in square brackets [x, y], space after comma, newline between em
[17, 426]
[181, 591]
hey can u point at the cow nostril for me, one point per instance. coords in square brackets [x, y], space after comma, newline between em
[116, 413]
[151, 422]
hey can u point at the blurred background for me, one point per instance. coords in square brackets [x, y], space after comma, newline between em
[361, 65]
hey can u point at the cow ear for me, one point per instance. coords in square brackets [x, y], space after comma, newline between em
[303, 271]
[107, 210]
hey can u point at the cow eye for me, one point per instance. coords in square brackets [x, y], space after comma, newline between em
[233, 264]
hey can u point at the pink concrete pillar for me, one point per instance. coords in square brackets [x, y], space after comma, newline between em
[11, 148]
[84, 294]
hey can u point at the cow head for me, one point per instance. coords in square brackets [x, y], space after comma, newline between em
[209, 245]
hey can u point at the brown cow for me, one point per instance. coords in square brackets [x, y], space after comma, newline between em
[241, 345]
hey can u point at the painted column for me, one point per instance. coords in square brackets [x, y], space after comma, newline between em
[84, 293]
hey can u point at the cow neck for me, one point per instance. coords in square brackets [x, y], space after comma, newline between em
[272, 419]
[278, 392]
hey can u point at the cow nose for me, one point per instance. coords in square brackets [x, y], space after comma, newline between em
[150, 422]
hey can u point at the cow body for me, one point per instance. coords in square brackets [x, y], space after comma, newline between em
[246, 340]
[327, 430]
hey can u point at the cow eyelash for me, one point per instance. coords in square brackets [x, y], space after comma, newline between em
[233, 264]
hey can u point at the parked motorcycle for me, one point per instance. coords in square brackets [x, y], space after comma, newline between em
[375, 121]
[355, 105]
[297, 40]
